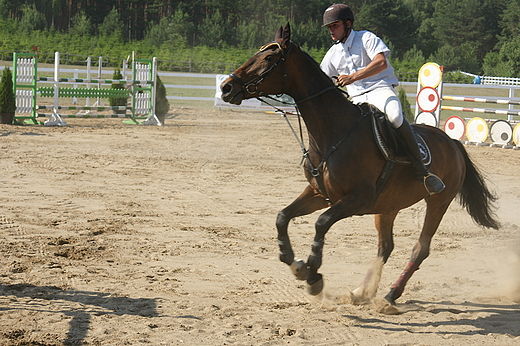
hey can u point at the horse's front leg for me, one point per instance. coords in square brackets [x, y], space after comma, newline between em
[308, 202]
[340, 210]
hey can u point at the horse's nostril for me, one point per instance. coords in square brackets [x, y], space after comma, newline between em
[226, 88]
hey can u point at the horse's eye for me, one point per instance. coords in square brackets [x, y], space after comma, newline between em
[269, 58]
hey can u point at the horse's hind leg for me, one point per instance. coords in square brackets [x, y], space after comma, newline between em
[421, 250]
[308, 202]
[368, 287]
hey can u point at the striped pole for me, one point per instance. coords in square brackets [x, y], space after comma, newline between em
[481, 110]
[90, 108]
[86, 116]
[483, 100]
[98, 81]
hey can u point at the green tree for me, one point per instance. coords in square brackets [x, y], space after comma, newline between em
[118, 101]
[467, 21]
[112, 25]
[162, 106]
[7, 98]
[215, 31]
[462, 57]
[407, 109]
[389, 19]
[32, 19]
[82, 25]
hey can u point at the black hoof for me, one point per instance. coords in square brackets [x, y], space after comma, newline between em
[299, 269]
[316, 287]
[390, 297]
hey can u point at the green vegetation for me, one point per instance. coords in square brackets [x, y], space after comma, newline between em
[477, 36]
[161, 102]
[7, 98]
[118, 101]
[408, 114]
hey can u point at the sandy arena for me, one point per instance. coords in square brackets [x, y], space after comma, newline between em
[116, 234]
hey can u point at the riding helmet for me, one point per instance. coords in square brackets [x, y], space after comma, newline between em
[336, 13]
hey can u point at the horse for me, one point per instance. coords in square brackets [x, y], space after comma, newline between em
[343, 165]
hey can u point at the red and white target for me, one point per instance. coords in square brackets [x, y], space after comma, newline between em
[501, 132]
[430, 75]
[426, 118]
[516, 134]
[455, 127]
[477, 130]
[428, 99]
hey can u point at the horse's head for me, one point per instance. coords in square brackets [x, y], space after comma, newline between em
[262, 74]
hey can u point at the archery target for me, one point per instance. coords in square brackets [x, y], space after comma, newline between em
[428, 99]
[516, 134]
[501, 132]
[426, 118]
[455, 127]
[477, 130]
[430, 75]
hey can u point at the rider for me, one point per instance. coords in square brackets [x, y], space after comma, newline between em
[358, 59]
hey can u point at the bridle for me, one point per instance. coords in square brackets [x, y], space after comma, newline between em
[251, 87]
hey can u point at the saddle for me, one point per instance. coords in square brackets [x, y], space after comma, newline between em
[389, 144]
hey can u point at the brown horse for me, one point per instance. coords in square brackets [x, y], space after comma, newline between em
[343, 165]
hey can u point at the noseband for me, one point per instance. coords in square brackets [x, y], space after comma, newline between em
[251, 87]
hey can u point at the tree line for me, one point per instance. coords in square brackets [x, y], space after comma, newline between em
[477, 36]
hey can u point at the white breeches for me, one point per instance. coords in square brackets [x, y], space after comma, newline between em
[387, 101]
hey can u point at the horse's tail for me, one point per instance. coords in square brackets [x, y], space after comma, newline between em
[475, 196]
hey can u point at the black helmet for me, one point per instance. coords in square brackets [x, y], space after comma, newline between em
[337, 12]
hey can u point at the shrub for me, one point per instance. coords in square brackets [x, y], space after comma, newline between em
[407, 110]
[7, 97]
[161, 102]
[118, 101]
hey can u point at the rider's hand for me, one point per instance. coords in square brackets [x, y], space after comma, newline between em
[345, 79]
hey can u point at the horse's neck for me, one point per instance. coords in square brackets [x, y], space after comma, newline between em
[327, 115]
[325, 109]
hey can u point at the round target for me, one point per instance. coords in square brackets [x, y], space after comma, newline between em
[426, 118]
[428, 99]
[477, 130]
[516, 134]
[430, 75]
[501, 132]
[455, 127]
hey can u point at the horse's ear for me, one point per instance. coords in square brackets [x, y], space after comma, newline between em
[286, 36]
[278, 34]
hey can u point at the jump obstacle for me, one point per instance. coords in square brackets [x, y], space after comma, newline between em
[27, 86]
[476, 130]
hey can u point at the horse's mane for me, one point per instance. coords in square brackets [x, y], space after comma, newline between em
[268, 45]
[313, 61]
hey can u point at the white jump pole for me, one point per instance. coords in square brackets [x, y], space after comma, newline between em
[55, 119]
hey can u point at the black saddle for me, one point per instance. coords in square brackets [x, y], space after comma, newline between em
[389, 144]
[387, 140]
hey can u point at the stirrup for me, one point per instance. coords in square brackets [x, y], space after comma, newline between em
[433, 184]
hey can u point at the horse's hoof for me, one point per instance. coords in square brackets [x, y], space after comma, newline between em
[315, 288]
[299, 269]
[385, 307]
[359, 296]
[390, 297]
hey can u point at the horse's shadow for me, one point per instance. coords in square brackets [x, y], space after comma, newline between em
[85, 304]
[498, 319]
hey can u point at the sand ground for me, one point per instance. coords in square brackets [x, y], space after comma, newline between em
[115, 234]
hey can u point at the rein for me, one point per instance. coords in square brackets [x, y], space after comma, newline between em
[316, 172]
[251, 87]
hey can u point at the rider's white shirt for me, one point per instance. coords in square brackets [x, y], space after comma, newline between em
[356, 53]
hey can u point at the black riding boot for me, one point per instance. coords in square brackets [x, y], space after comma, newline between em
[432, 183]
